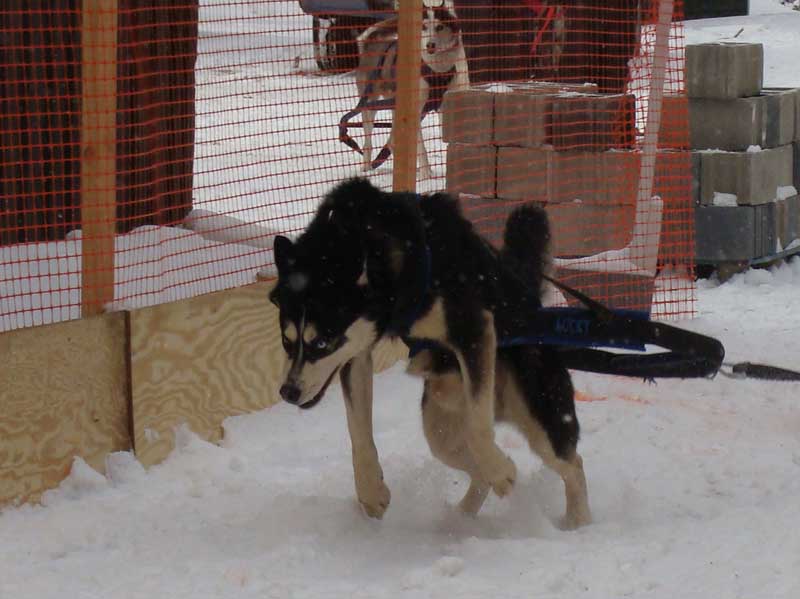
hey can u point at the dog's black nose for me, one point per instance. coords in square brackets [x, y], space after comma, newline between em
[290, 393]
[431, 47]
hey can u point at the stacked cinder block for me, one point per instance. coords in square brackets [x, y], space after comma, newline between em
[745, 142]
[554, 144]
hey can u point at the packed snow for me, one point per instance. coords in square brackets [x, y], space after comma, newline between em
[693, 485]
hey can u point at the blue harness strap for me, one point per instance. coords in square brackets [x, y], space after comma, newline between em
[576, 333]
[578, 327]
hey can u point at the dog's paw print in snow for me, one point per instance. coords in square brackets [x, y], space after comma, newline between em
[444, 567]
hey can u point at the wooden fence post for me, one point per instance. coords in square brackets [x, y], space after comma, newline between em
[405, 130]
[644, 251]
[98, 152]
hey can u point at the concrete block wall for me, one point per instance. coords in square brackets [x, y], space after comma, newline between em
[472, 169]
[565, 147]
[766, 120]
[724, 71]
[755, 177]
[745, 142]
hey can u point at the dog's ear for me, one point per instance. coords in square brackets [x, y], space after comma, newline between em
[283, 249]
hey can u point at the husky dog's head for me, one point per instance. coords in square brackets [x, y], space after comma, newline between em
[337, 287]
[322, 296]
[440, 37]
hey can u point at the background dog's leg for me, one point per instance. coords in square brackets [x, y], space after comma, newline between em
[372, 492]
[422, 154]
[476, 358]
[443, 421]
[461, 80]
[367, 118]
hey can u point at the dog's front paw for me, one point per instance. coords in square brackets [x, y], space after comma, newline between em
[374, 498]
[503, 476]
[575, 519]
[474, 498]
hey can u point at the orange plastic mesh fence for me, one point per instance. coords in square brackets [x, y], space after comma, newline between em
[151, 150]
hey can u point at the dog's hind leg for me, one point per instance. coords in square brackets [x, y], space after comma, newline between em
[568, 466]
[443, 421]
[571, 472]
[472, 340]
[356, 378]
[476, 359]
[476, 353]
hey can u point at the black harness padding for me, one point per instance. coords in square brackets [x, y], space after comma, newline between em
[691, 355]
[575, 332]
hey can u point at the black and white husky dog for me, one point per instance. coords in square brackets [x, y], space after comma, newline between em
[444, 67]
[372, 265]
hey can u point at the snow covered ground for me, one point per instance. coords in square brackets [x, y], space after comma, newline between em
[694, 485]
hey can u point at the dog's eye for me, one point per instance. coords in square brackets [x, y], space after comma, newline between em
[320, 343]
[440, 27]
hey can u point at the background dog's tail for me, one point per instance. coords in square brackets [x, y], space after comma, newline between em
[526, 243]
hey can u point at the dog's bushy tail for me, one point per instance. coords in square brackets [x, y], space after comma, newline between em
[526, 244]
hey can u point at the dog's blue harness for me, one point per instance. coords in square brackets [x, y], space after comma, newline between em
[577, 333]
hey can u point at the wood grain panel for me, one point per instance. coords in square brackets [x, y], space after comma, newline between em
[63, 393]
[201, 360]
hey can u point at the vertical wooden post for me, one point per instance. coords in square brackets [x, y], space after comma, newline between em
[405, 131]
[644, 252]
[98, 152]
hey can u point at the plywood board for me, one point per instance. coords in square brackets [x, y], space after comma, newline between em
[201, 360]
[63, 393]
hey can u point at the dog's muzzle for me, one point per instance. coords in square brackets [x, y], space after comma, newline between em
[432, 48]
[291, 393]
